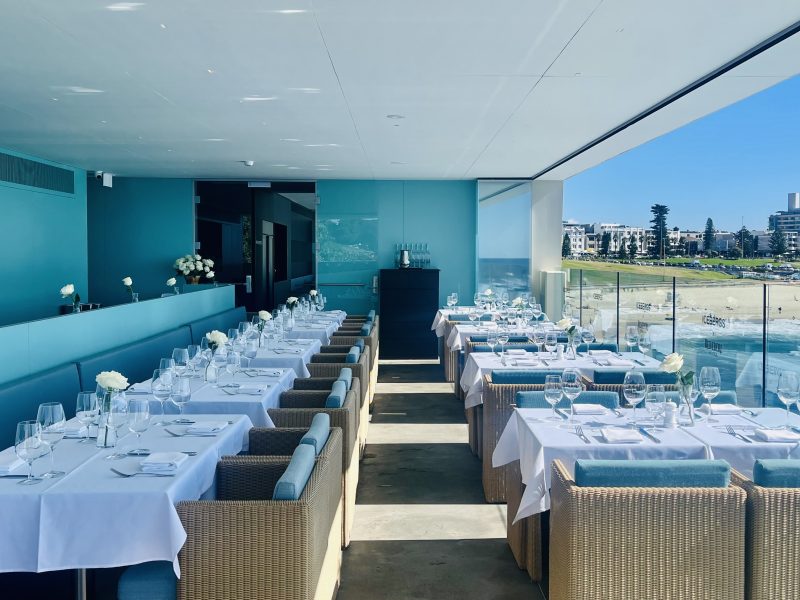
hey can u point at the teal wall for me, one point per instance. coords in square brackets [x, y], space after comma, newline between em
[40, 345]
[359, 223]
[43, 241]
[137, 228]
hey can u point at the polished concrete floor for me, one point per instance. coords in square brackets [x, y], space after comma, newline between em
[422, 528]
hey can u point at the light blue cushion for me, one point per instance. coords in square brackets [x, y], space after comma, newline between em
[536, 399]
[526, 347]
[724, 397]
[651, 376]
[371, 315]
[336, 397]
[318, 433]
[465, 317]
[346, 375]
[521, 376]
[777, 473]
[652, 473]
[512, 339]
[359, 344]
[293, 481]
[352, 355]
[148, 581]
[366, 328]
[597, 346]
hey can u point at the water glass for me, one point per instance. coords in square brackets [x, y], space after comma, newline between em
[138, 422]
[118, 419]
[631, 337]
[571, 386]
[491, 340]
[86, 411]
[539, 338]
[654, 402]
[536, 309]
[455, 298]
[788, 390]
[587, 335]
[710, 385]
[552, 394]
[233, 364]
[180, 359]
[52, 423]
[181, 392]
[644, 343]
[502, 339]
[161, 388]
[551, 342]
[195, 357]
[28, 446]
[167, 363]
[634, 390]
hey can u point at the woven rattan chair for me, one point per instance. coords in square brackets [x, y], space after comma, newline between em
[627, 543]
[297, 409]
[329, 364]
[772, 546]
[450, 357]
[245, 545]
[346, 338]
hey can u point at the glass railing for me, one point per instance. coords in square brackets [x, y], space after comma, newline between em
[750, 330]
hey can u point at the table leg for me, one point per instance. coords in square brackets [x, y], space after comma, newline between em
[80, 584]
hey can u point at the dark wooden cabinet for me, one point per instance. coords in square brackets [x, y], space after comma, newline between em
[409, 301]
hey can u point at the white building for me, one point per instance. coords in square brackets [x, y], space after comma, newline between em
[787, 220]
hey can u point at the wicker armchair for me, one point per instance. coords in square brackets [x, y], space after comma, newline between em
[347, 338]
[297, 409]
[329, 364]
[772, 543]
[645, 543]
[450, 357]
[245, 545]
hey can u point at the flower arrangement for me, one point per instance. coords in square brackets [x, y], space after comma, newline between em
[517, 302]
[673, 363]
[291, 303]
[216, 339]
[110, 382]
[68, 291]
[569, 327]
[264, 316]
[488, 292]
[113, 381]
[194, 266]
[171, 282]
[128, 283]
[312, 293]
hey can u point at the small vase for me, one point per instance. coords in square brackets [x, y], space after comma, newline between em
[134, 296]
[687, 404]
[106, 428]
[76, 308]
[290, 321]
[176, 290]
[192, 279]
[212, 372]
[571, 353]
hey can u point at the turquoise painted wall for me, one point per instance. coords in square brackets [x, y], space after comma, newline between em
[359, 222]
[36, 346]
[137, 228]
[43, 241]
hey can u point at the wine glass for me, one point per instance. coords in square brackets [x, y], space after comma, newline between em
[502, 339]
[634, 389]
[654, 402]
[28, 445]
[644, 343]
[571, 386]
[167, 363]
[631, 337]
[455, 298]
[161, 388]
[86, 411]
[537, 310]
[52, 423]
[551, 342]
[118, 419]
[244, 328]
[476, 299]
[491, 340]
[233, 333]
[180, 358]
[473, 316]
[195, 356]
[204, 348]
[788, 390]
[233, 363]
[504, 299]
[587, 335]
[538, 338]
[710, 386]
[138, 422]
[181, 392]
[552, 394]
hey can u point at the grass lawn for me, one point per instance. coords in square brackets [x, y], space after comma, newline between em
[741, 262]
[645, 270]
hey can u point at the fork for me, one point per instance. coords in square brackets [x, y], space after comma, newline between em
[175, 434]
[736, 434]
[134, 474]
[579, 431]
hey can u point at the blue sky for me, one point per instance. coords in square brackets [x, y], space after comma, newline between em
[741, 161]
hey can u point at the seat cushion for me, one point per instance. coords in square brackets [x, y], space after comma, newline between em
[220, 321]
[724, 397]
[512, 339]
[598, 346]
[148, 581]
[526, 347]
[617, 376]
[536, 399]
[371, 315]
[777, 473]
[346, 375]
[359, 344]
[318, 433]
[338, 392]
[366, 328]
[352, 355]
[521, 376]
[652, 473]
[291, 484]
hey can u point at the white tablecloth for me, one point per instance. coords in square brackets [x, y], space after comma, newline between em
[459, 334]
[480, 363]
[293, 355]
[317, 330]
[92, 518]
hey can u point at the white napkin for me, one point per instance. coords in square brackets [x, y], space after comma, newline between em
[9, 462]
[527, 362]
[614, 361]
[580, 408]
[722, 409]
[516, 352]
[776, 435]
[600, 352]
[286, 350]
[163, 462]
[617, 435]
[75, 430]
[246, 390]
[207, 427]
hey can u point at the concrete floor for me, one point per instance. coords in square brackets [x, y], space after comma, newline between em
[422, 528]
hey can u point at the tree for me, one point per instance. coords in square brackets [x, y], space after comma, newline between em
[605, 243]
[633, 247]
[735, 252]
[623, 254]
[682, 246]
[744, 241]
[777, 242]
[709, 237]
[566, 246]
[659, 221]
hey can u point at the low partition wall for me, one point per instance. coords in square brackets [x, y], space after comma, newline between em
[35, 346]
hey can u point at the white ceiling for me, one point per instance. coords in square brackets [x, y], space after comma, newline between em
[486, 89]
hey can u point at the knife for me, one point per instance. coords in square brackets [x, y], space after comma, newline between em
[562, 414]
[647, 434]
[638, 362]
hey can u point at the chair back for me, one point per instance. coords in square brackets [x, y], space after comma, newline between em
[535, 399]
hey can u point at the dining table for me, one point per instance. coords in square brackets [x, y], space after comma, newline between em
[292, 354]
[534, 439]
[315, 328]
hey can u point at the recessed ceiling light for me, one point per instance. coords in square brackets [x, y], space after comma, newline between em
[210, 71]
[578, 74]
[395, 116]
[398, 162]
[290, 140]
[620, 30]
[291, 11]
[125, 6]
[54, 99]
[293, 168]
[321, 145]
[248, 163]
[103, 122]
[215, 139]
[76, 89]
[163, 26]
[323, 165]
[258, 98]
[305, 90]
[169, 149]
[279, 165]
[324, 169]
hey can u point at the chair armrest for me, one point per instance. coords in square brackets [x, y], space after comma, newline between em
[314, 383]
[303, 399]
[249, 477]
[274, 442]
[337, 357]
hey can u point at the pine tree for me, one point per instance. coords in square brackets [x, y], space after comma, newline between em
[623, 253]
[709, 237]
[659, 221]
[744, 241]
[566, 246]
[777, 242]
[633, 247]
[605, 243]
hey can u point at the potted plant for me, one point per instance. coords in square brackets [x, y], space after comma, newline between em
[194, 267]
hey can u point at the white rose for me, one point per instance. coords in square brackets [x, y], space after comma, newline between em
[312, 293]
[209, 262]
[217, 337]
[206, 269]
[210, 275]
[128, 282]
[189, 257]
[198, 265]
[672, 363]
[186, 271]
[291, 300]
[171, 282]
[112, 380]
[67, 290]
[564, 324]
[264, 315]
[517, 301]
[488, 291]
[197, 257]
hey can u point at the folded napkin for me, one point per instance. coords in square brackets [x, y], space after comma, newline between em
[262, 372]
[9, 462]
[516, 352]
[527, 362]
[207, 427]
[722, 409]
[614, 361]
[600, 353]
[617, 435]
[246, 390]
[75, 430]
[163, 462]
[776, 435]
[588, 409]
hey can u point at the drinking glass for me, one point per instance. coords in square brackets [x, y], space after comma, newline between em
[654, 402]
[204, 344]
[587, 335]
[788, 390]
[161, 388]
[233, 363]
[181, 392]
[28, 445]
[118, 419]
[537, 310]
[491, 340]
[631, 337]
[551, 342]
[502, 339]
[571, 386]
[644, 343]
[180, 358]
[455, 298]
[552, 394]
[195, 356]
[473, 316]
[52, 423]
[86, 411]
[538, 338]
[167, 363]
[449, 301]
[138, 422]
[710, 386]
[634, 389]
[244, 328]
[504, 298]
